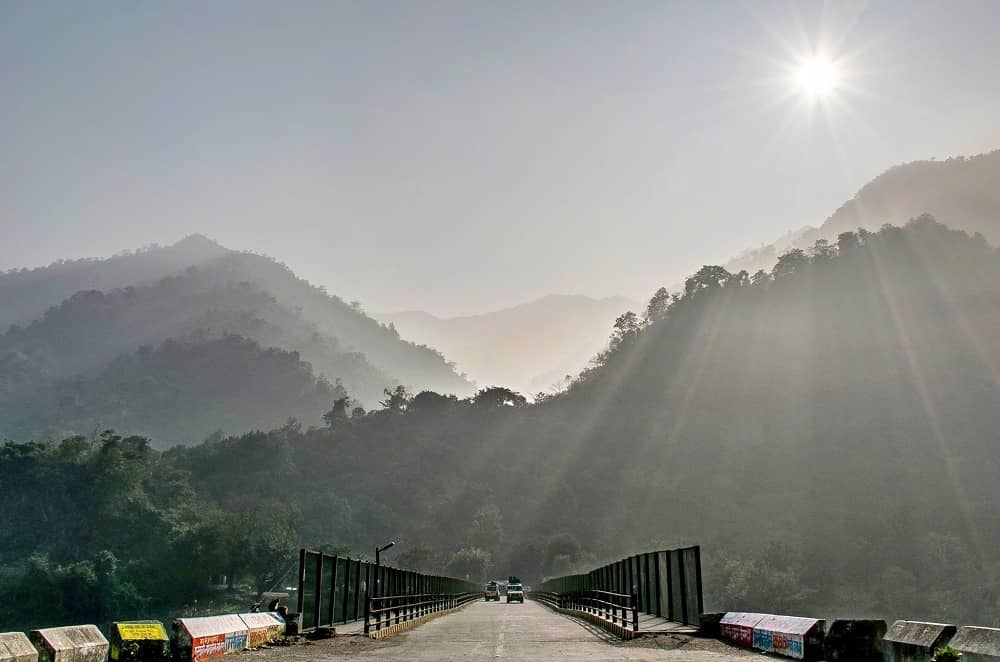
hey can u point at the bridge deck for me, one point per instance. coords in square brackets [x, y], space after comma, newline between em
[490, 631]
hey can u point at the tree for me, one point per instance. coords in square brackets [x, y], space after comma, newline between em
[471, 563]
[397, 400]
[486, 530]
[498, 396]
[338, 413]
[264, 539]
[562, 554]
[790, 263]
[658, 305]
[847, 242]
[420, 558]
[626, 327]
[822, 251]
[709, 277]
[427, 402]
[759, 277]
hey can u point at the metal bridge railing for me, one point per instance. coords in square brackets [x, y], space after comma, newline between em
[335, 589]
[616, 608]
[665, 583]
[389, 610]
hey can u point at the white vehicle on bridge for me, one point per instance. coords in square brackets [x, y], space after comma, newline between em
[492, 591]
[515, 593]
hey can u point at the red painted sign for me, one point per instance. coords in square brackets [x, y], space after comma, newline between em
[206, 648]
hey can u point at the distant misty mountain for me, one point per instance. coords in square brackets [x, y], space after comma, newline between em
[196, 293]
[91, 328]
[963, 190]
[27, 293]
[410, 363]
[529, 347]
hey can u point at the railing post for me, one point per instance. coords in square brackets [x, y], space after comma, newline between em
[635, 613]
[368, 615]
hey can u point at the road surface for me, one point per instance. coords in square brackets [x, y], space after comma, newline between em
[501, 631]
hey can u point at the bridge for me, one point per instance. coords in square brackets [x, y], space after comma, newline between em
[585, 615]
[499, 631]
[644, 607]
[657, 591]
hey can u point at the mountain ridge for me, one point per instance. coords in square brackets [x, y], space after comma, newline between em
[963, 190]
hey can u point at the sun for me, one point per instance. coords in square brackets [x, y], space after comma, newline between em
[817, 77]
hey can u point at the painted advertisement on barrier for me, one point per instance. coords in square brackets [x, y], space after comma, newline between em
[263, 628]
[738, 627]
[789, 645]
[139, 641]
[208, 647]
[141, 631]
[785, 635]
[212, 636]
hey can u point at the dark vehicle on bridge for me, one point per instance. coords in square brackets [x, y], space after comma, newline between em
[492, 591]
[515, 593]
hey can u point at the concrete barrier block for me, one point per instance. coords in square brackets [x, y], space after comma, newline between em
[977, 644]
[737, 627]
[207, 637]
[854, 640]
[263, 628]
[16, 647]
[708, 624]
[914, 641]
[293, 624]
[790, 636]
[139, 641]
[77, 643]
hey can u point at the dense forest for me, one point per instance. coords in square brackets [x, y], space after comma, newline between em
[217, 383]
[826, 430]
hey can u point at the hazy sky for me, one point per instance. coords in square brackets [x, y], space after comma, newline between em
[457, 157]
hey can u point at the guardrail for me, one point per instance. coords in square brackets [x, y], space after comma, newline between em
[383, 612]
[616, 608]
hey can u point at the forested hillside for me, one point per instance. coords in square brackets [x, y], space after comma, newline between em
[91, 328]
[827, 432]
[409, 363]
[178, 392]
[225, 293]
[963, 190]
[27, 293]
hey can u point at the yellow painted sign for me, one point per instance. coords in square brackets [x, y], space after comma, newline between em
[142, 631]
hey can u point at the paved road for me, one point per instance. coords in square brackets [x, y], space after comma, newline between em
[501, 631]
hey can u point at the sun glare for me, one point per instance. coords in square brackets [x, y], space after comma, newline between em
[817, 77]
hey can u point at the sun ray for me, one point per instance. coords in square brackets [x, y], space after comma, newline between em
[920, 384]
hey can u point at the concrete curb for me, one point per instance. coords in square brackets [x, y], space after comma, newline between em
[407, 625]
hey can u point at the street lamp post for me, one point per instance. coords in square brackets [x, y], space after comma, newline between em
[378, 578]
